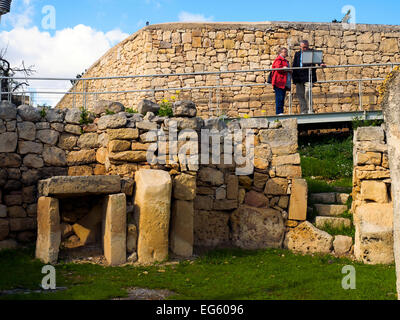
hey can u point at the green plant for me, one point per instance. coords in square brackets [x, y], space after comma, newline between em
[85, 117]
[359, 122]
[109, 112]
[43, 109]
[165, 109]
[131, 110]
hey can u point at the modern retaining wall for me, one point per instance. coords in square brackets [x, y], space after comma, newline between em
[198, 47]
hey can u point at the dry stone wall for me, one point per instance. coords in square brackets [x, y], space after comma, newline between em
[220, 201]
[208, 47]
[372, 201]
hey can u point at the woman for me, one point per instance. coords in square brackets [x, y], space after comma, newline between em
[281, 80]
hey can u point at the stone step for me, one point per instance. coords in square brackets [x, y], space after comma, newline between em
[330, 210]
[333, 222]
[329, 198]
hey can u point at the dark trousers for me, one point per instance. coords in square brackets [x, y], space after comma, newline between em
[280, 95]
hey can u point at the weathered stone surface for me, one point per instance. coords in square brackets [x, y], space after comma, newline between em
[147, 125]
[181, 231]
[88, 141]
[48, 136]
[87, 227]
[8, 142]
[225, 205]
[25, 147]
[212, 176]
[22, 224]
[73, 116]
[49, 232]
[203, 203]
[102, 155]
[326, 198]
[8, 111]
[81, 157]
[257, 228]
[288, 171]
[55, 115]
[4, 229]
[114, 229]
[33, 161]
[184, 187]
[375, 191]
[254, 123]
[363, 158]
[92, 185]
[145, 106]
[152, 209]
[370, 134]
[307, 239]
[298, 200]
[256, 199]
[211, 229]
[342, 245]
[374, 233]
[184, 109]
[119, 145]
[330, 209]
[112, 121]
[262, 156]
[131, 239]
[54, 156]
[80, 171]
[292, 159]
[128, 156]
[73, 129]
[260, 179]
[26, 130]
[29, 113]
[333, 222]
[102, 106]
[232, 187]
[16, 212]
[3, 211]
[67, 141]
[123, 134]
[13, 200]
[342, 198]
[276, 186]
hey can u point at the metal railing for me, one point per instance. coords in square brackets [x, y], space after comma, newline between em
[85, 93]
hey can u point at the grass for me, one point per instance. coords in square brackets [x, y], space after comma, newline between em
[327, 162]
[218, 275]
[343, 231]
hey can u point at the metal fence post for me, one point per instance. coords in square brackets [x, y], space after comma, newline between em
[360, 95]
[310, 109]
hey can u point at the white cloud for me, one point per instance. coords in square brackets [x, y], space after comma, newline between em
[185, 16]
[65, 54]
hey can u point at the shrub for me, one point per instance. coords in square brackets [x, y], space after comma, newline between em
[165, 109]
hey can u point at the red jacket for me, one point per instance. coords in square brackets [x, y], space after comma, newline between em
[279, 78]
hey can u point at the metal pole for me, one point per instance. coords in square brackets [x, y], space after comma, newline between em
[290, 101]
[360, 95]
[310, 90]
[218, 93]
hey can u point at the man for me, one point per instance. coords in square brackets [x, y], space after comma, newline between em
[301, 77]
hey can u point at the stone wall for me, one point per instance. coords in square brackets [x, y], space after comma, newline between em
[372, 201]
[204, 47]
[215, 199]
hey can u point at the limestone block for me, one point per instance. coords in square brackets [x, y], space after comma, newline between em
[375, 191]
[257, 228]
[9, 244]
[81, 157]
[119, 145]
[128, 156]
[181, 231]
[342, 244]
[88, 141]
[152, 211]
[330, 209]
[8, 111]
[307, 239]
[212, 176]
[26, 130]
[90, 185]
[260, 179]
[101, 106]
[87, 227]
[4, 229]
[131, 239]
[333, 222]
[276, 186]
[211, 229]
[184, 109]
[54, 156]
[114, 229]
[29, 113]
[298, 200]
[112, 121]
[370, 134]
[327, 197]
[73, 115]
[184, 186]
[49, 231]
[25, 147]
[48, 136]
[256, 199]
[123, 134]
[67, 141]
[232, 187]
[8, 142]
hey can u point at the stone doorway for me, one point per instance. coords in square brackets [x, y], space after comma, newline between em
[89, 208]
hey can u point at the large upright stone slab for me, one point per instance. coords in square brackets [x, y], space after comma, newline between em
[257, 228]
[298, 200]
[49, 231]
[88, 185]
[181, 231]
[114, 229]
[152, 212]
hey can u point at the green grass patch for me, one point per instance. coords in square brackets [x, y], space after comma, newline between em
[218, 275]
[319, 185]
[327, 157]
[342, 231]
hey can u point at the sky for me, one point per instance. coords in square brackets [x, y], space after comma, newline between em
[63, 38]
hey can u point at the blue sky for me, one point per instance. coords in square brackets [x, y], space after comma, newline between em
[81, 31]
